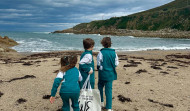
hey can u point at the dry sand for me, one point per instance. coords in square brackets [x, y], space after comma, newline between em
[147, 81]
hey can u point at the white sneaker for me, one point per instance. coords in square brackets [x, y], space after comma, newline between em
[110, 110]
[102, 104]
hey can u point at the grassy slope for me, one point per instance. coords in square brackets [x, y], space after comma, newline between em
[174, 15]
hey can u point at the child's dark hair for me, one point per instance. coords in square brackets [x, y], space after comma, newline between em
[68, 62]
[88, 43]
[106, 42]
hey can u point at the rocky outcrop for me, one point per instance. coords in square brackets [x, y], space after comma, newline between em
[171, 20]
[164, 33]
[6, 43]
[64, 31]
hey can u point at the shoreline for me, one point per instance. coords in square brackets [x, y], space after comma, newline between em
[165, 33]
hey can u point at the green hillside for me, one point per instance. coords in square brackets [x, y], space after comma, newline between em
[174, 15]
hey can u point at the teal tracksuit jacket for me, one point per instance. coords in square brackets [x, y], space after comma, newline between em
[85, 66]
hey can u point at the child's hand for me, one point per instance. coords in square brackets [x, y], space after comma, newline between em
[52, 99]
[90, 72]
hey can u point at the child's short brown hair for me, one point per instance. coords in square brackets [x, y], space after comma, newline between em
[88, 43]
[106, 42]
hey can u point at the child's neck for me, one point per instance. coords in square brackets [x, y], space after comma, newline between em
[88, 49]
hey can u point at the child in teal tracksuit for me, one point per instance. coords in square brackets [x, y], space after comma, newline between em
[86, 64]
[69, 77]
[107, 60]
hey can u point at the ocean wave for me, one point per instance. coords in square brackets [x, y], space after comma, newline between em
[68, 33]
[42, 32]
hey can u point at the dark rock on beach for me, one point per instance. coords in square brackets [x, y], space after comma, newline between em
[21, 100]
[140, 71]
[1, 93]
[46, 96]
[155, 67]
[124, 99]
[130, 65]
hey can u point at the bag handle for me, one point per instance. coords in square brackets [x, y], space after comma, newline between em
[87, 83]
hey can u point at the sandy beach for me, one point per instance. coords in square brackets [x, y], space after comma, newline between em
[147, 81]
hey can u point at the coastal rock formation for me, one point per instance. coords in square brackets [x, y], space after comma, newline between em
[164, 33]
[6, 43]
[171, 20]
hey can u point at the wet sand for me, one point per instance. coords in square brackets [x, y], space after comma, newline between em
[147, 81]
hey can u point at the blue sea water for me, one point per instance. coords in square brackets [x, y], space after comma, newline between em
[46, 41]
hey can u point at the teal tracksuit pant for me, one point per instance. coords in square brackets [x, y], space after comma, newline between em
[108, 92]
[74, 98]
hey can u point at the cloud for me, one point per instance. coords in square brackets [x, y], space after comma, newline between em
[62, 14]
[12, 10]
[111, 13]
[16, 15]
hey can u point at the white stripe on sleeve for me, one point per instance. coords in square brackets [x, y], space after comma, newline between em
[60, 74]
[99, 59]
[80, 77]
[116, 60]
[87, 59]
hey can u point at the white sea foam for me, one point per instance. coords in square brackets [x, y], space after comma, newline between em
[68, 33]
[43, 42]
[42, 32]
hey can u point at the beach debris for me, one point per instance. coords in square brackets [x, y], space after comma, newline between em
[1, 94]
[18, 61]
[54, 65]
[54, 60]
[130, 65]
[59, 109]
[155, 59]
[140, 71]
[27, 64]
[124, 99]
[178, 56]
[133, 62]
[7, 61]
[127, 82]
[172, 67]
[164, 72]
[46, 96]
[157, 63]
[155, 67]
[167, 105]
[181, 61]
[25, 77]
[123, 58]
[182, 65]
[37, 61]
[137, 57]
[21, 100]
[25, 58]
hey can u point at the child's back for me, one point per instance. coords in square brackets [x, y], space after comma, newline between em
[70, 81]
[107, 70]
[69, 76]
[86, 64]
[107, 60]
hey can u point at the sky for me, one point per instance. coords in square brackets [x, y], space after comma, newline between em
[51, 15]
